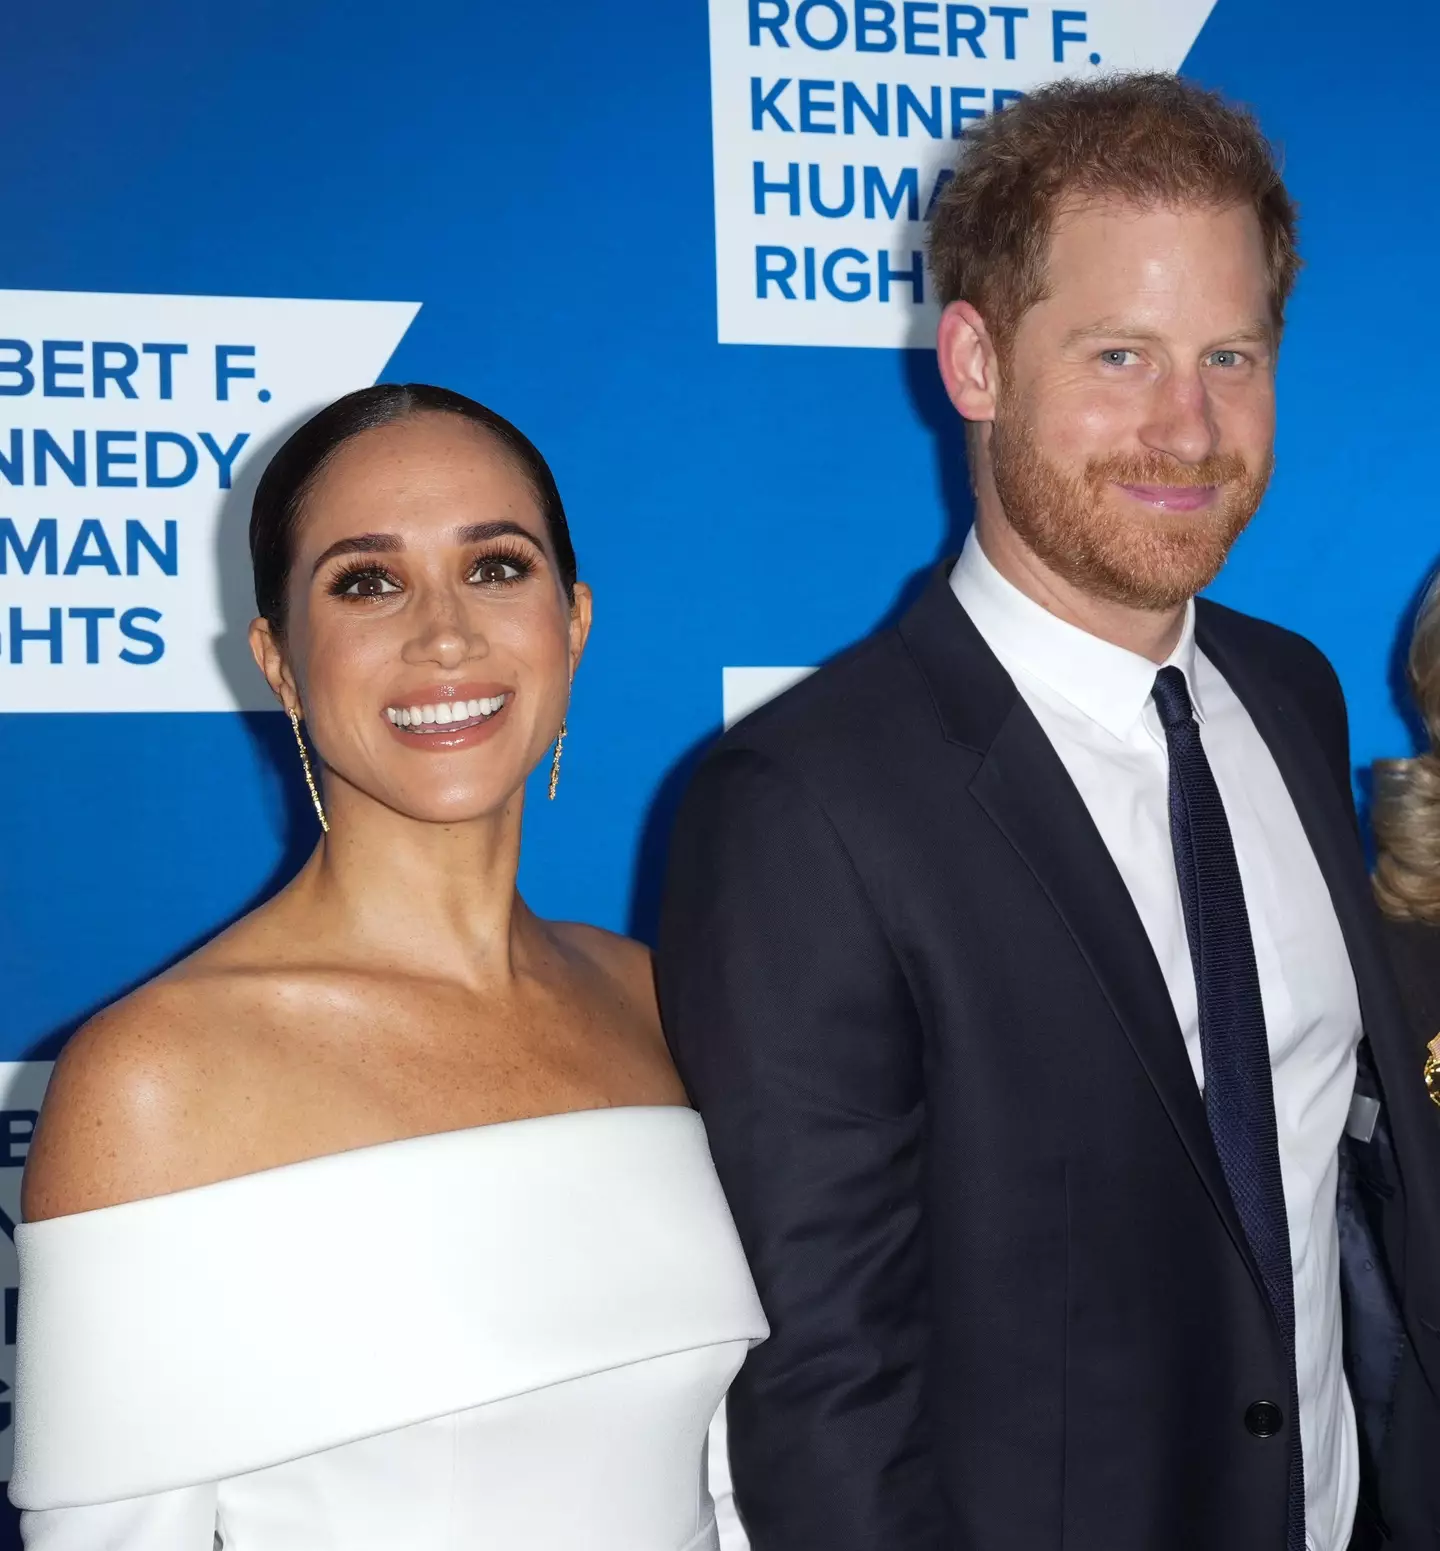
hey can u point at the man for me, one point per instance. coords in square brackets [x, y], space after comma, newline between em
[1022, 960]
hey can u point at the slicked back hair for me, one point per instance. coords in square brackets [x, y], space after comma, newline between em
[290, 475]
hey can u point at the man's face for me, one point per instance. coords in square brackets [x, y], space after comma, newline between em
[1134, 428]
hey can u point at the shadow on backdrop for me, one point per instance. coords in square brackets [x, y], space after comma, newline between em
[271, 740]
[271, 736]
[278, 769]
[920, 380]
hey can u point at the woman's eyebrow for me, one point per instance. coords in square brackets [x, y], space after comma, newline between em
[359, 544]
[481, 532]
[390, 543]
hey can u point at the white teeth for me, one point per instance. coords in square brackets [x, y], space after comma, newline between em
[444, 713]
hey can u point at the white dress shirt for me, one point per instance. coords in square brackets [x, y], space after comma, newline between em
[1093, 701]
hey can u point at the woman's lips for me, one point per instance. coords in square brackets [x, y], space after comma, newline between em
[448, 720]
[433, 716]
[1174, 498]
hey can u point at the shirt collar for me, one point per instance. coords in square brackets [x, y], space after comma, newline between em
[1106, 683]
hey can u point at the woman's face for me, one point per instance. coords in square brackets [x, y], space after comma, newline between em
[429, 643]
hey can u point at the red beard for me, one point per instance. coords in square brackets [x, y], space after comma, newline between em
[1144, 560]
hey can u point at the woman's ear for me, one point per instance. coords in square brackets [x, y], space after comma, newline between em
[270, 659]
[580, 616]
[969, 365]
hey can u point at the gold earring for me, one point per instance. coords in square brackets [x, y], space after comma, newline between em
[555, 763]
[309, 774]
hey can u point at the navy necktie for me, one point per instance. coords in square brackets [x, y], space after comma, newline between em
[1239, 1098]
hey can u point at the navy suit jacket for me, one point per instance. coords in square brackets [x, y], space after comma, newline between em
[1012, 1304]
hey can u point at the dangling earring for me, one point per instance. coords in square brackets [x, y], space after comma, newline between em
[555, 763]
[309, 775]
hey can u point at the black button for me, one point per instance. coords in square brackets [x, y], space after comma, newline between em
[1264, 1419]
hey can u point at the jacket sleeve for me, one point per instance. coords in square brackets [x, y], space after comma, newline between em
[794, 1031]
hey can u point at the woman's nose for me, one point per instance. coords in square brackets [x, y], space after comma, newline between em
[445, 634]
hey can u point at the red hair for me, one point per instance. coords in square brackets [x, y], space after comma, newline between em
[1149, 139]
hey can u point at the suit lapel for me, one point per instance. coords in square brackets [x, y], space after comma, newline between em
[1027, 792]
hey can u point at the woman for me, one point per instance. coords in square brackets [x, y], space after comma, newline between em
[1407, 836]
[380, 1221]
[1406, 820]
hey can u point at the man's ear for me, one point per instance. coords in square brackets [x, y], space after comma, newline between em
[270, 659]
[969, 364]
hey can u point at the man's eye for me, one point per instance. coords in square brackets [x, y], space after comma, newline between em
[1225, 358]
[1118, 357]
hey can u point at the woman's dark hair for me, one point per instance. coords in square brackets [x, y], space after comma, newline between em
[291, 474]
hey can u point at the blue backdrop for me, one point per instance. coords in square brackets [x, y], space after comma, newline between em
[538, 178]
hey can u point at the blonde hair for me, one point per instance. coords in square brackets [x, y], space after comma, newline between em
[1406, 810]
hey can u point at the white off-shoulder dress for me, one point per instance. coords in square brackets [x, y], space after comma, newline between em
[509, 1338]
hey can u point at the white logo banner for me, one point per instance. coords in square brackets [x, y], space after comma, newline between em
[132, 432]
[743, 690]
[834, 126]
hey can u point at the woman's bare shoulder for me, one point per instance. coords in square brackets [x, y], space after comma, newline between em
[132, 1107]
[621, 977]
[621, 959]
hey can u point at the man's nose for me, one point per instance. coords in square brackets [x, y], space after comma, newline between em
[1180, 423]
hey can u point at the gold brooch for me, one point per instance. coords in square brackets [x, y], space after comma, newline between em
[1432, 1069]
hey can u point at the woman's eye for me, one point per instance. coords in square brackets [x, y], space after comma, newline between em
[369, 584]
[496, 570]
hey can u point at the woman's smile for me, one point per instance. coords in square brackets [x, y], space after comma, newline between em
[449, 716]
